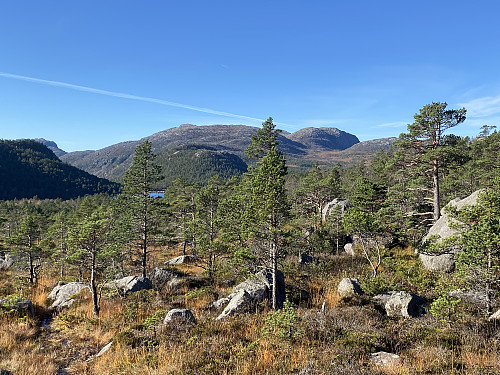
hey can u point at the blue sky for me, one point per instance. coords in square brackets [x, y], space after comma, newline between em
[122, 70]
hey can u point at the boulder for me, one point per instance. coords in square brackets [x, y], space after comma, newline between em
[180, 260]
[374, 241]
[252, 291]
[6, 260]
[130, 284]
[241, 302]
[349, 287]
[385, 359]
[20, 306]
[441, 227]
[179, 316]
[438, 262]
[160, 278]
[349, 248]
[401, 303]
[337, 204]
[62, 294]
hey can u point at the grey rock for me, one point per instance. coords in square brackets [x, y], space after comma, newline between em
[20, 306]
[385, 359]
[374, 241]
[6, 260]
[241, 302]
[337, 205]
[180, 260]
[62, 294]
[220, 302]
[349, 287]
[161, 277]
[495, 316]
[469, 296]
[130, 284]
[104, 350]
[438, 262]
[179, 316]
[349, 248]
[252, 291]
[441, 227]
[401, 303]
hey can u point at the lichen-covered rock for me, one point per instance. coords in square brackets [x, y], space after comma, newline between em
[441, 228]
[182, 259]
[62, 294]
[438, 262]
[160, 278]
[241, 302]
[339, 206]
[180, 316]
[349, 287]
[349, 248]
[6, 260]
[252, 291]
[130, 284]
[401, 303]
[384, 359]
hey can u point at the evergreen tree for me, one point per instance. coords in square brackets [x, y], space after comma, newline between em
[139, 181]
[264, 140]
[269, 209]
[422, 147]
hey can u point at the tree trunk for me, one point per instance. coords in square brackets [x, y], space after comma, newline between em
[31, 267]
[435, 189]
[274, 269]
[93, 287]
[144, 247]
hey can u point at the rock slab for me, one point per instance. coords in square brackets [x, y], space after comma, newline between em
[385, 359]
[438, 262]
[130, 284]
[62, 294]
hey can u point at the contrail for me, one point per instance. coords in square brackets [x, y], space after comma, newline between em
[125, 96]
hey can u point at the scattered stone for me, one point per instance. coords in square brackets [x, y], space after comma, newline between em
[20, 306]
[349, 248]
[130, 284]
[179, 316]
[62, 294]
[438, 262]
[220, 302]
[385, 359]
[250, 292]
[6, 260]
[337, 205]
[180, 260]
[349, 287]
[161, 277]
[101, 352]
[401, 303]
[495, 316]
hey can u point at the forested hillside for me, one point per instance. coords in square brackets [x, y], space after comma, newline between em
[28, 168]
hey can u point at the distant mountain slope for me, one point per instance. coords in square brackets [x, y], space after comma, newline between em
[323, 138]
[28, 168]
[52, 146]
[112, 162]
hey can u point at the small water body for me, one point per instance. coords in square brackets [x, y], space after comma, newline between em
[157, 194]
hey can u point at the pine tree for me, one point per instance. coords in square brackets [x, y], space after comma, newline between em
[139, 181]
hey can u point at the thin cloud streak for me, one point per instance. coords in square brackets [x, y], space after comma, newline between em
[397, 124]
[126, 96]
[482, 107]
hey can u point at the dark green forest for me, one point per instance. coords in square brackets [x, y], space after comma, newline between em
[28, 169]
